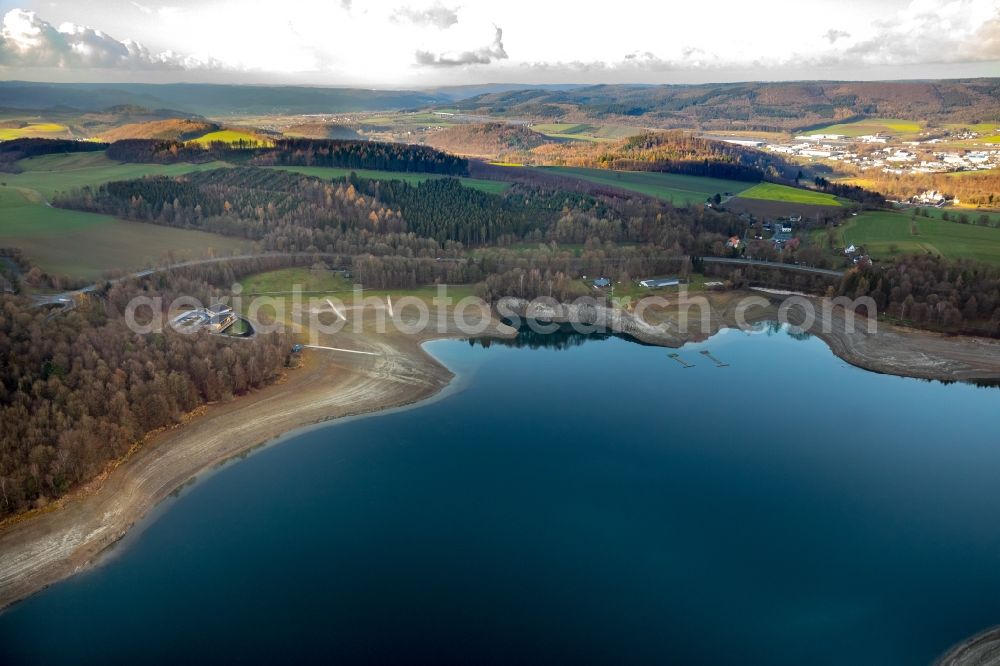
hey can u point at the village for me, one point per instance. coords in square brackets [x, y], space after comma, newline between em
[888, 154]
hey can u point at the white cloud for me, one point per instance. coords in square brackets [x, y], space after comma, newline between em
[832, 35]
[928, 31]
[481, 56]
[437, 15]
[434, 42]
[29, 41]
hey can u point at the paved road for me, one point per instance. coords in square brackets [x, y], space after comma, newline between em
[773, 264]
[67, 298]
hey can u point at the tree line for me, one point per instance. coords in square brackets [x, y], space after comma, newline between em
[17, 149]
[295, 152]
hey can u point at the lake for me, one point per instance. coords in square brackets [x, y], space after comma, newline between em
[578, 500]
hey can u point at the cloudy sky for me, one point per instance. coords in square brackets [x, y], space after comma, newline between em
[387, 43]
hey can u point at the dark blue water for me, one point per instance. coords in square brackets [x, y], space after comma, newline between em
[595, 503]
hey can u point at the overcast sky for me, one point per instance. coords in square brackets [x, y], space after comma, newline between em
[416, 43]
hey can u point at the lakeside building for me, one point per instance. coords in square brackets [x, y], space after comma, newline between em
[219, 317]
[658, 283]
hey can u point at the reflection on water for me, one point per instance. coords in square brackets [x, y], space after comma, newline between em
[562, 336]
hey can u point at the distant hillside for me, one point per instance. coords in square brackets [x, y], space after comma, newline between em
[486, 140]
[321, 130]
[208, 99]
[171, 130]
[672, 152]
[751, 106]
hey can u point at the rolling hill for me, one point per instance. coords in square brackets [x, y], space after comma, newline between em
[322, 130]
[750, 106]
[170, 130]
[486, 140]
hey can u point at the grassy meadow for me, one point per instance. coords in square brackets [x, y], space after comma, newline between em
[49, 174]
[78, 244]
[674, 187]
[786, 194]
[887, 234]
[321, 284]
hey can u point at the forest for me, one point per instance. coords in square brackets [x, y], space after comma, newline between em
[930, 292]
[79, 390]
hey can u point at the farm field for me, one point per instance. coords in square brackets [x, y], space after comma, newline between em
[49, 174]
[229, 136]
[794, 195]
[893, 126]
[78, 244]
[34, 130]
[678, 188]
[886, 234]
[328, 173]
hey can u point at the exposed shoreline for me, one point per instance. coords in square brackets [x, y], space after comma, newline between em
[45, 548]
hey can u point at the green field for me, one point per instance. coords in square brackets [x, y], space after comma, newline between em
[667, 186]
[329, 173]
[68, 242]
[886, 233]
[282, 280]
[49, 174]
[585, 132]
[329, 282]
[774, 192]
[894, 126]
[33, 130]
[229, 136]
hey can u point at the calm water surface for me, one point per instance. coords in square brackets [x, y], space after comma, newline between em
[595, 502]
